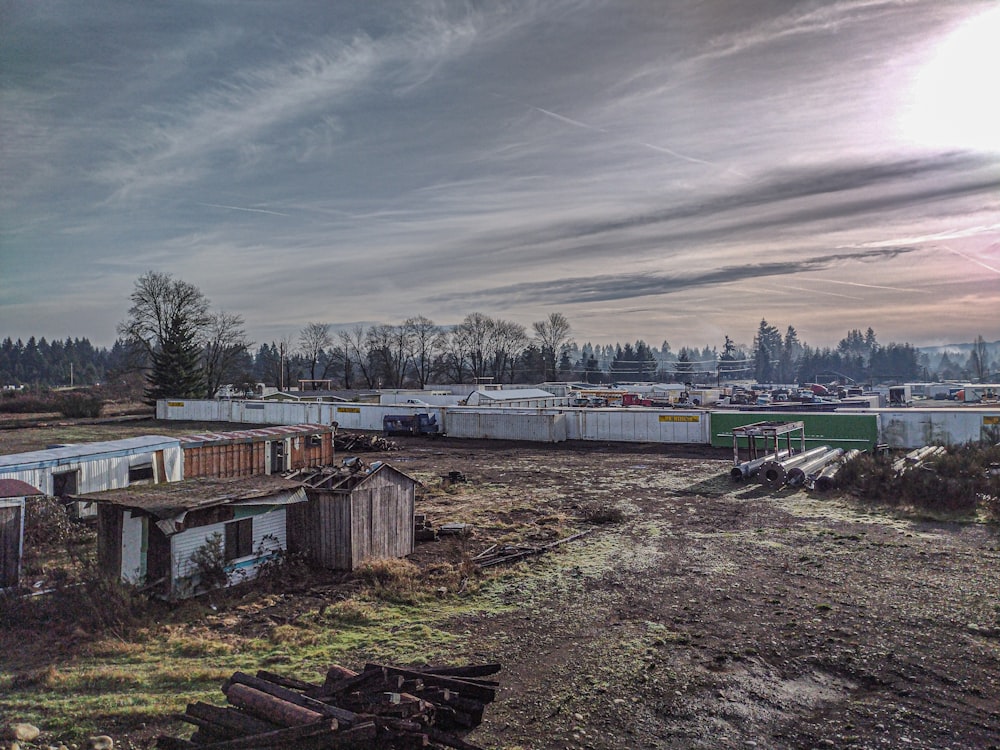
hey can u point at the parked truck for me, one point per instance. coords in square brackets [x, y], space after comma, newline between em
[410, 424]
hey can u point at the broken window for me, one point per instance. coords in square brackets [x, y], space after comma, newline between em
[239, 539]
[140, 474]
[65, 483]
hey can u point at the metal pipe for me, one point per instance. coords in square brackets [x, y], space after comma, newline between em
[747, 469]
[774, 474]
[825, 480]
[799, 474]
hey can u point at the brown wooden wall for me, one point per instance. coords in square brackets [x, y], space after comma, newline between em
[339, 529]
[109, 540]
[244, 459]
[10, 545]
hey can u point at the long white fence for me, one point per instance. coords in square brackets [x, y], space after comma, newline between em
[904, 428]
[549, 425]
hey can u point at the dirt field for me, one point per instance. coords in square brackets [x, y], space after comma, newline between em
[710, 615]
[719, 616]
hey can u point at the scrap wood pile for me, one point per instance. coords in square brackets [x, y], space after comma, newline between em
[353, 441]
[383, 707]
[499, 554]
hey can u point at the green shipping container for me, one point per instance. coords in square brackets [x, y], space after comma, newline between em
[822, 428]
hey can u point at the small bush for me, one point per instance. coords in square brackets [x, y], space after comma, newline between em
[46, 522]
[209, 562]
[393, 579]
[348, 612]
[601, 513]
[26, 403]
[80, 404]
[93, 604]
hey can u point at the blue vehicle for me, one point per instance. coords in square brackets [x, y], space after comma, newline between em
[410, 424]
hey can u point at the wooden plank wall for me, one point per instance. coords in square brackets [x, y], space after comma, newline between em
[109, 540]
[10, 545]
[340, 529]
[244, 459]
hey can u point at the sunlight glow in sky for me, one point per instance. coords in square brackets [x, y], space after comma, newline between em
[957, 94]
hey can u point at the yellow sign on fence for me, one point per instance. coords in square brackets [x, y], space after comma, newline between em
[991, 420]
[349, 409]
[680, 418]
[175, 403]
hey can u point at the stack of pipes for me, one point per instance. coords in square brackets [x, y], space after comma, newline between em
[825, 479]
[774, 474]
[749, 469]
[806, 472]
[917, 457]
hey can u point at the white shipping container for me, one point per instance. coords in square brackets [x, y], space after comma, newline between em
[915, 428]
[642, 425]
[495, 424]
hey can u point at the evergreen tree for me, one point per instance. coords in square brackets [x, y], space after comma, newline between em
[176, 370]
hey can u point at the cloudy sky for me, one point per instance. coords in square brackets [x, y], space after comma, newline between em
[657, 169]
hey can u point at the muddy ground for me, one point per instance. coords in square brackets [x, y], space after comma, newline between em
[724, 616]
[704, 614]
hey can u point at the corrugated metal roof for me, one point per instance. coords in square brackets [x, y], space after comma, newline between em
[515, 394]
[17, 488]
[254, 435]
[173, 499]
[70, 453]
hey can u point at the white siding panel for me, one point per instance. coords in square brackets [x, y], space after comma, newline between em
[915, 428]
[495, 424]
[269, 535]
[133, 560]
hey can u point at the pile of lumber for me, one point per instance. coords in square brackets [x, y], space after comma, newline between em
[498, 554]
[382, 707]
[357, 442]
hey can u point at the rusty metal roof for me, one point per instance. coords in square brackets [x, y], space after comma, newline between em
[173, 499]
[253, 435]
[17, 488]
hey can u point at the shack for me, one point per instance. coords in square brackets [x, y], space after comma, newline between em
[252, 452]
[67, 470]
[354, 513]
[13, 493]
[182, 538]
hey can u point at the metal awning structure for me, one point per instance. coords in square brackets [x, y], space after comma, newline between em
[764, 438]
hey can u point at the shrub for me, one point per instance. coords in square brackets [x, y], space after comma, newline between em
[79, 404]
[46, 523]
[26, 403]
[392, 579]
[209, 563]
[957, 482]
[601, 513]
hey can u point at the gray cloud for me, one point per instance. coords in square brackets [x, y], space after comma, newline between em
[624, 286]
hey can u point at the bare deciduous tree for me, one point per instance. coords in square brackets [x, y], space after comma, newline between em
[225, 344]
[159, 301]
[552, 334]
[314, 340]
[508, 342]
[424, 342]
[356, 354]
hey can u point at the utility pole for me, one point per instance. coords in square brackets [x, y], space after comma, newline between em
[70, 374]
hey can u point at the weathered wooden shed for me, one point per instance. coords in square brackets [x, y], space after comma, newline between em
[154, 535]
[68, 470]
[252, 452]
[13, 493]
[354, 515]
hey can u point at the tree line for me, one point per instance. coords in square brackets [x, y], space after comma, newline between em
[184, 348]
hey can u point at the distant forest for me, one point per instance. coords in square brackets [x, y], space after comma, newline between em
[417, 352]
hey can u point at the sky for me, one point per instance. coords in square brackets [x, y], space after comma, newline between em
[652, 169]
